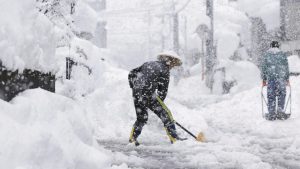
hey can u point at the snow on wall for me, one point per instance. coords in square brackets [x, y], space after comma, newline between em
[27, 38]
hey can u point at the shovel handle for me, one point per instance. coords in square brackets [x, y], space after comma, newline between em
[185, 130]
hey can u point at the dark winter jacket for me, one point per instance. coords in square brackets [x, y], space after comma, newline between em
[275, 65]
[149, 78]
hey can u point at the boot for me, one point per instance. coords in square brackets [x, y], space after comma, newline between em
[271, 117]
[136, 131]
[133, 140]
[282, 116]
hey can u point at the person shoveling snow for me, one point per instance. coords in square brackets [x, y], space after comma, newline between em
[149, 82]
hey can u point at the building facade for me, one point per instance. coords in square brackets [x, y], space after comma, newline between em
[290, 25]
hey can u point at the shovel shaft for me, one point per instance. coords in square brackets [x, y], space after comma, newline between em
[185, 130]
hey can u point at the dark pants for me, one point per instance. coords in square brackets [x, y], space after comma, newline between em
[144, 101]
[276, 94]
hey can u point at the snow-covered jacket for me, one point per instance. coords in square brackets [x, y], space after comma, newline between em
[151, 77]
[275, 65]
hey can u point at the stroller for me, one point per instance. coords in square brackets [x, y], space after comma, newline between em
[279, 115]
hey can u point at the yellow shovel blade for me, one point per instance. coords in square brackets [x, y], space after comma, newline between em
[200, 137]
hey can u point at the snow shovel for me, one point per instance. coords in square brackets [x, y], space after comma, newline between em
[288, 103]
[200, 136]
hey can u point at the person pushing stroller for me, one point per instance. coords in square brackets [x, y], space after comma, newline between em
[275, 75]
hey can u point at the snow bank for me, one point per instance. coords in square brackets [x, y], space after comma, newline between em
[27, 37]
[246, 75]
[44, 130]
[91, 63]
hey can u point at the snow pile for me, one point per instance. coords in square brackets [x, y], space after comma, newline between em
[44, 130]
[245, 74]
[90, 63]
[27, 37]
[40, 129]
